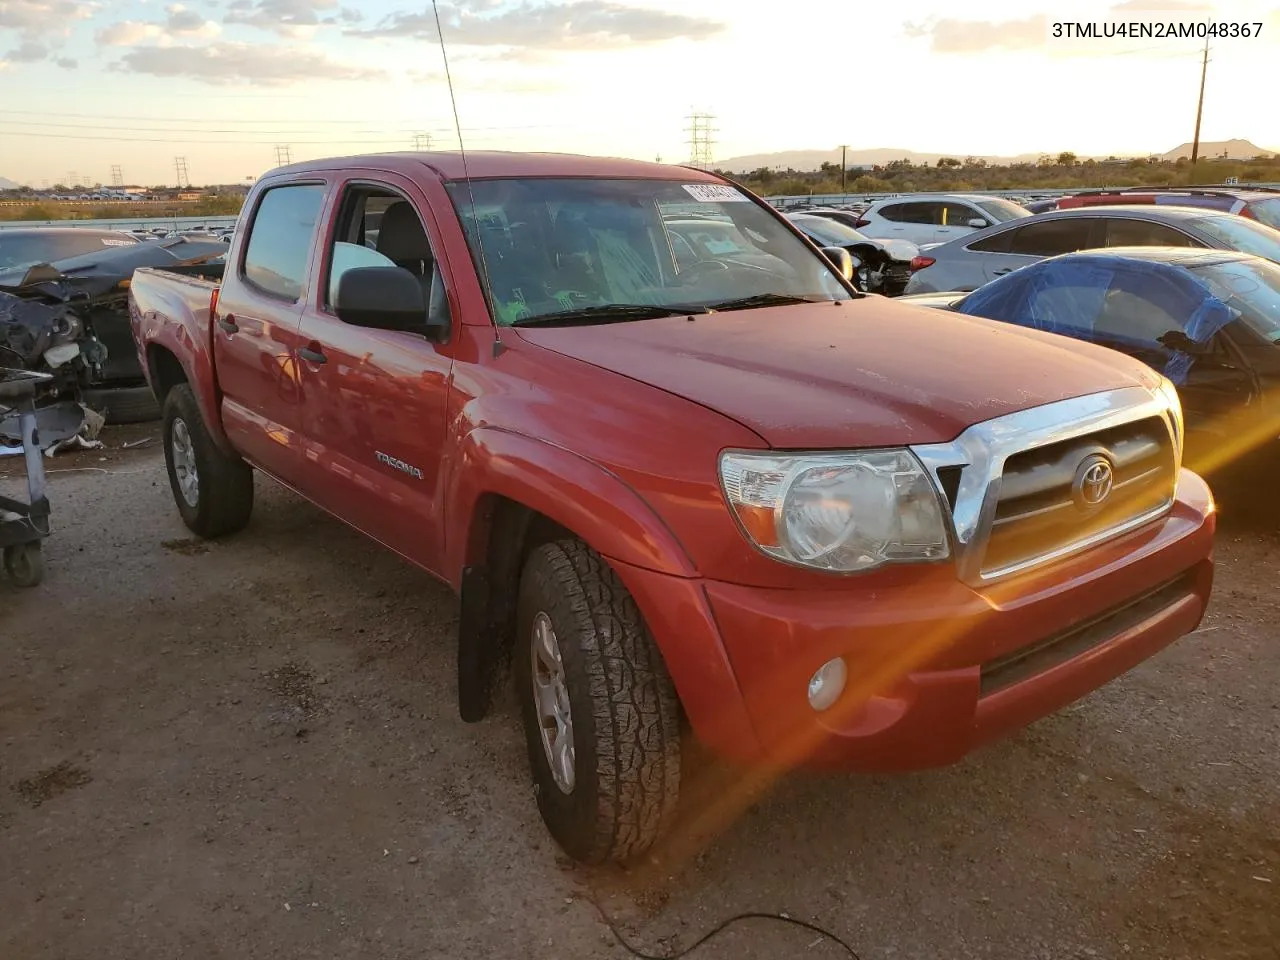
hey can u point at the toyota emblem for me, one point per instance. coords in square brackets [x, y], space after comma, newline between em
[1094, 481]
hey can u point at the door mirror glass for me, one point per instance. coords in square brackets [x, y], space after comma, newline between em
[841, 259]
[382, 298]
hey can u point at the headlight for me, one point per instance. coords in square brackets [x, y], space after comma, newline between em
[837, 512]
[1169, 393]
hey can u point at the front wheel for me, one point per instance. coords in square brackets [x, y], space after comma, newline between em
[601, 715]
[213, 490]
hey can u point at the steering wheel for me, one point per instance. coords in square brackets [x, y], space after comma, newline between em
[702, 269]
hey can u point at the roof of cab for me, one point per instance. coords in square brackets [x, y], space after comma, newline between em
[489, 164]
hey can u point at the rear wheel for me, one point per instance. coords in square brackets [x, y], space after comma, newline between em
[601, 715]
[213, 490]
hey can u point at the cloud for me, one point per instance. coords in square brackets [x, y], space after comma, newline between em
[228, 63]
[29, 51]
[290, 17]
[66, 63]
[179, 22]
[579, 24]
[977, 36]
[35, 16]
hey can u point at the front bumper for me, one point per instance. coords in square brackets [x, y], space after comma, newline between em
[936, 667]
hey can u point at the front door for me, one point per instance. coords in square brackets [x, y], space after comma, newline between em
[255, 327]
[375, 400]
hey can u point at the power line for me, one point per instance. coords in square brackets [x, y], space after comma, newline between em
[444, 125]
[381, 141]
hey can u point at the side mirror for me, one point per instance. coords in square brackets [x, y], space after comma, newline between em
[386, 298]
[1179, 342]
[978, 223]
[841, 259]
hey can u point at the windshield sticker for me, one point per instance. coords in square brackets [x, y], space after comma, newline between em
[715, 193]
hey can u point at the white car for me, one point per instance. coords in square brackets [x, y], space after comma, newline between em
[935, 217]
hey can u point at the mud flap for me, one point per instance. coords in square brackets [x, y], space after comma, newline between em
[478, 646]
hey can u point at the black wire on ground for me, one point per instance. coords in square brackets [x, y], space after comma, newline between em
[718, 929]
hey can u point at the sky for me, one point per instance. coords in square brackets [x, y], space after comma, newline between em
[85, 86]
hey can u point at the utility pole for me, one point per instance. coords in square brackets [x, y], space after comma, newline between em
[117, 175]
[701, 132]
[180, 170]
[844, 167]
[422, 141]
[283, 157]
[1195, 144]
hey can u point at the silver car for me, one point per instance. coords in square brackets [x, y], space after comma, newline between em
[969, 262]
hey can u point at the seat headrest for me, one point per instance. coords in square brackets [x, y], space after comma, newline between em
[400, 235]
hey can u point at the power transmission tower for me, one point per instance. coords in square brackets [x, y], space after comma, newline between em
[844, 166]
[283, 157]
[72, 180]
[180, 168]
[117, 175]
[701, 132]
[422, 141]
[1195, 143]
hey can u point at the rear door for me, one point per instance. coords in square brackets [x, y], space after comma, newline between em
[913, 220]
[255, 330]
[1044, 238]
[375, 400]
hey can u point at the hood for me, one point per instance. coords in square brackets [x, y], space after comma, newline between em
[903, 250]
[864, 373]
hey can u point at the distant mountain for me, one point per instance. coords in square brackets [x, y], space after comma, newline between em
[1232, 149]
[9, 184]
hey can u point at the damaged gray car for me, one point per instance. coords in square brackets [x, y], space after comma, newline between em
[70, 319]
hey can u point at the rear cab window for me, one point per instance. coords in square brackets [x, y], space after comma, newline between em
[281, 233]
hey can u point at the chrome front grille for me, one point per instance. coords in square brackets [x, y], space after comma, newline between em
[1044, 499]
[1027, 489]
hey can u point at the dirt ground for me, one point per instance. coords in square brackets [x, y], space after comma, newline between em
[251, 749]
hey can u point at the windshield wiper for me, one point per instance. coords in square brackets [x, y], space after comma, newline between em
[764, 300]
[607, 313]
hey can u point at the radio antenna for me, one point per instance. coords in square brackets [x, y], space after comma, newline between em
[498, 346]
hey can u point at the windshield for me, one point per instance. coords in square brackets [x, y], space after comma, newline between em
[1241, 234]
[1267, 211]
[1003, 210]
[26, 249]
[556, 247]
[829, 233]
[1251, 287]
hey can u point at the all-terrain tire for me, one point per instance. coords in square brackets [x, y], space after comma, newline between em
[223, 496]
[624, 707]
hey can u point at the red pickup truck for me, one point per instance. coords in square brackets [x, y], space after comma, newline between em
[822, 527]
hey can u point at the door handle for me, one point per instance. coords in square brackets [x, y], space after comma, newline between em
[228, 324]
[312, 354]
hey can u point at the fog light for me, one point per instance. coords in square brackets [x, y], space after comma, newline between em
[827, 684]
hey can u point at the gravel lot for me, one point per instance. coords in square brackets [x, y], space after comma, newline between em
[251, 749]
